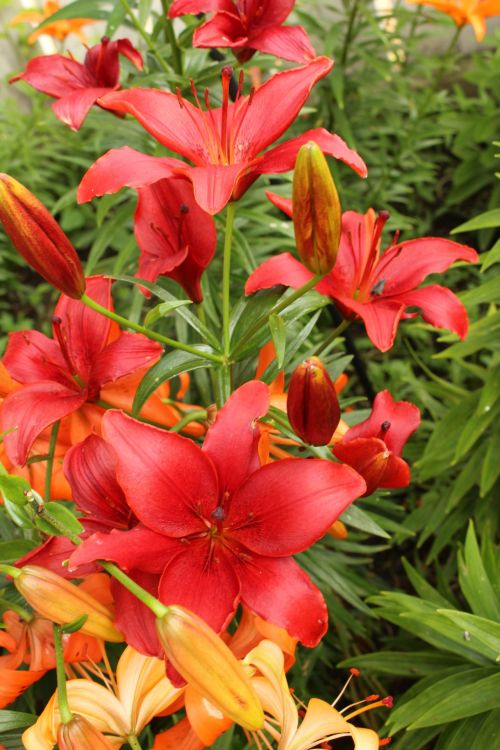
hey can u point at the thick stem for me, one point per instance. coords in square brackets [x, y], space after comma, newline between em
[332, 336]
[62, 696]
[279, 307]
[133, 742]
[50, 460]
[172, 39]
[147, 332]
[145, 36]
[159, 609]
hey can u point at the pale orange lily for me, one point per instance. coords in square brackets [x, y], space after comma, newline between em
[58, 29]
[466, 11]
[119, 709]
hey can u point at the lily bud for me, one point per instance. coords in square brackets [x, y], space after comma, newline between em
[39, 239]
[62, 602]
[316, 210]
[312, 404]
[79, 734]
[206, 663]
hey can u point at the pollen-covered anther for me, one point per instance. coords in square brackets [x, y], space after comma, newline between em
[388, 701]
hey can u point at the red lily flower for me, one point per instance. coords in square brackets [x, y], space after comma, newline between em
[218, 527]
[62, 374]
[223, 143]
[248, 26]
[176, 237]
[377, 288]
[77, 86]
[374, 446]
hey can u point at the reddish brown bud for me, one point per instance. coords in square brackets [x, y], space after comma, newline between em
[39, 239]
[317, 214]
[312, 404]
[80, 734]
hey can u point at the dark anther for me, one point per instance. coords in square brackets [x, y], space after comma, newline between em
[184, 208]
[384, 215]
[56, 320]
[218, 514]
[104, 40]
[378, 288]
[385, 425]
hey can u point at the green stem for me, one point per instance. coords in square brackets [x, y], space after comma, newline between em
[172, 39]
[21, 611]
[453, 41]
[144, 596]
[192, 416]
[10, 570]
[145, 36]
[279, 307]
[349, 33]
[133, 742]
[50, 460]
[62, 695]
[333, 335]
[147, 332]
[226, 278]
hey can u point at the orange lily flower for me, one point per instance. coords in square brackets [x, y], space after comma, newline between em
[467, 11]
[58, 29]
[122, 707]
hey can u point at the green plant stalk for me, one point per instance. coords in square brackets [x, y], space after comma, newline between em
[5, 604]
[125, 322]
[192, 416]
[349, 33]
[145, 36]
[50, 460]
[133, 742]
[159, 609]
[279, 307]
[62, 695]
[332, 336]
[172, 39]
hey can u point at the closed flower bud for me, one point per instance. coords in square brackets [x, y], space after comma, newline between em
[206, 663]
[62, 602]
[312, 404]
[79, 734]
[316, 210]
[39, 239]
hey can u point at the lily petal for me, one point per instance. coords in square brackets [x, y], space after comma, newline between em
[440, 307]
[72, 108]
[129, 352]
[287, 42]
[31, 356]
[136, 621]
[402, 417]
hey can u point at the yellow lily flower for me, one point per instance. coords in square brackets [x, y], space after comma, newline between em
[120, 708]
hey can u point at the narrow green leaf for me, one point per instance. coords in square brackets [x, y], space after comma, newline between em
[422, 587]
[474, 581]
[483, 221]
[359, 519]
[98, 9]
[10, 720]
[490, 470]
[488, 735]
[164, 309]
[278, 333]
[472, 628]
[461, 701]
[13, 550]
[404, 664]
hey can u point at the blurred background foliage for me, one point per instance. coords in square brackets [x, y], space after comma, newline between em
[413, 591]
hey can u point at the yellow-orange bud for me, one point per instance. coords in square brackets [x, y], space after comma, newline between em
[312, 404]
[37, 236]
[317, 214]
[206, 663]
[79, 734]
[60, 601]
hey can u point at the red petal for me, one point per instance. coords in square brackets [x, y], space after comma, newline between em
[402, 417]
[136, 621]
[214, 184]
[404, 266]
[282, 158]
[440, 307]
[183, 7]
[282, 593]
[55, 75]
[137, 548]
[124, 167]
[31, 410]
[51, 555]
[72, 109]
[30, 357]
[90, 468]
[231, 442]
[85, 331]
[202, 578]
[177, 124]
[281, 269]
[286, 506]
[225, 29]
[169, 483]
[126, 354]
[284, 204]
[127, 49]
[372, 459]
[287, 42]
[276, 104]
[381, 318]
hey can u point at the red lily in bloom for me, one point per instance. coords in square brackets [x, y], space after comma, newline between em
[374, 446]
[223, 143]
[216, 526]
[176, 237]
[378, 288]
[62, 374]
[248, 26]
[77, 86]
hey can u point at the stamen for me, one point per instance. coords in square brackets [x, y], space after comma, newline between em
[227, 73]
[179, 97]
[61, 340]
[354, 673]
[388, 702]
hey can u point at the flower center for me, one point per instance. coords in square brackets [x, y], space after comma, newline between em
[63, 345]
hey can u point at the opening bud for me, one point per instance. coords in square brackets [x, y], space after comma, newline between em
[62, 602]
[39, 239]
[206, 663]
[312, 404]
[79, 734]
[317, 216]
